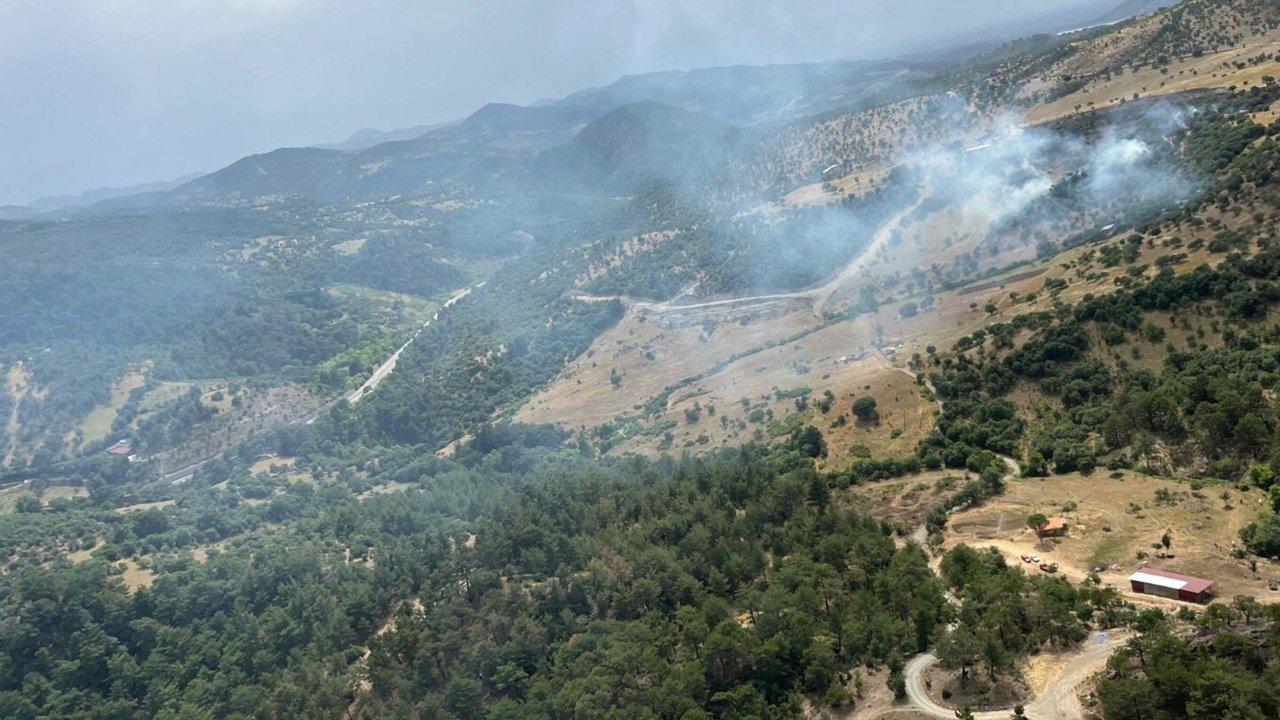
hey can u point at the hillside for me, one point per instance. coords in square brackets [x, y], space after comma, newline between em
[639, 144]
[1191, 45]
[744, 393]
[747, 95]
[1129, 9]
[493, 139]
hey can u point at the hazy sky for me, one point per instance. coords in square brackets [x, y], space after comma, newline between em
[115, 92]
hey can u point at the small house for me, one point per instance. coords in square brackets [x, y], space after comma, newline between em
[1150, 581]
[1054, 527]
[124, 449]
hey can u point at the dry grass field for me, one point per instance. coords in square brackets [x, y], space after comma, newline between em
[96, 426]
[906, 500]
[84, 554]
[649, 357]
[855, 184]
[742, 399]
[1212, 70]
[63, 492]
[139, 507]
[134, 575]
[1113, 519]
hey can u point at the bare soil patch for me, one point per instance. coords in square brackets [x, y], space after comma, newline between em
[96, 426]
[978, 691]
[1113, 519]
[140, 507]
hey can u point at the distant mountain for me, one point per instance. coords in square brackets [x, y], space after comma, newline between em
[639, 143]
[499, 138]
[368, 137]
[282, 172]
[53, 204]
[90, 197]
[16, 212]
[1129, 9]
[747, 95]
[572, 144]
[494, 139]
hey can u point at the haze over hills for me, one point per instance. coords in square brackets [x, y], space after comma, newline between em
[942, 386]
[1130, 9]
[777, 92]
[500, 138]
[773, 94]
[46, 205]
[368, 137]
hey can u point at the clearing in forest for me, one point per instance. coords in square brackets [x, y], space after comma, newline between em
[1114, 517]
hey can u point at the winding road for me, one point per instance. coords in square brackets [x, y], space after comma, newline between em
[820, 296]
[1057, 700]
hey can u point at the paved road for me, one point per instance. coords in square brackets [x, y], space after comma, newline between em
[1058, 700]
[668, 306]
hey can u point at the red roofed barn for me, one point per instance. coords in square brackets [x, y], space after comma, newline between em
[1151, 581]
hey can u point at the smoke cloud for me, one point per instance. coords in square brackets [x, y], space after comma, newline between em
[1015, 168]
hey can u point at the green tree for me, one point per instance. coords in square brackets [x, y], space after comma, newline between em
[864, 408]
[959, 648]
[1038, 522]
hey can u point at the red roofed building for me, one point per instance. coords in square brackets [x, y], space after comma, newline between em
[1055, 526]
[123, 449]
[1151, 581]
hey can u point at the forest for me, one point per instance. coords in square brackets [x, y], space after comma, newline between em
[416, 554]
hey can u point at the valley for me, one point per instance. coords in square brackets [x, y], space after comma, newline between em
[850, 389]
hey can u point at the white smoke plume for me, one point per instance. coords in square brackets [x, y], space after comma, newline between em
[1015, 165]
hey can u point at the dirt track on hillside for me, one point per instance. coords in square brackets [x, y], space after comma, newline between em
[1057, 699]
[819, 296]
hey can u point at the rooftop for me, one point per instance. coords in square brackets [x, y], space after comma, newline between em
[1176, 581]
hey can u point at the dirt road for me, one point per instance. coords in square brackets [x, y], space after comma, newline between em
[1014, 466]
[1056, 699]
[380, 373]
[389, 365]
[820, 296]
